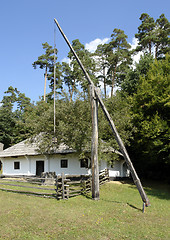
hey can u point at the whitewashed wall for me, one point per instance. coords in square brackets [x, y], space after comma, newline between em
[8, 166]
[117, 170]
[52, 164]
[73, 164]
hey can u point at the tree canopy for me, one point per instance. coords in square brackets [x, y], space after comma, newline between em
[136, 96]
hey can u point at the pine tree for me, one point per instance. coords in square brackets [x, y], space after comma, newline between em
[46, 61]
[119, 57]
[153, 36]
[88, 62]
[162, 41]
[69, 80]
[102, 66]
[145, 33]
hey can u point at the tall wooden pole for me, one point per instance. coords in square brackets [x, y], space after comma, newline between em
[54, 77]
[108, 117]
[94, 145]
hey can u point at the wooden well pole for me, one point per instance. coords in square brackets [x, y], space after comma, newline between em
[112, 125]
[94, 145]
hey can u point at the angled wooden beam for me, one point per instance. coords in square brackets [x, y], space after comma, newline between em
[112, 125]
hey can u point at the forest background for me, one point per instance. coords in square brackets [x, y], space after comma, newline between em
[136, 95]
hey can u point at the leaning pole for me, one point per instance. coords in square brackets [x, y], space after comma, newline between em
[112, 125]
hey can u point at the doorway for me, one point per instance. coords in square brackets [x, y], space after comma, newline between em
[39, 167]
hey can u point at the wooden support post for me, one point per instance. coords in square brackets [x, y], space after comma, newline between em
[94, 145]
[62, 179]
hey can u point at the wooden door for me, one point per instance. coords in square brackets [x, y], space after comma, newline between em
[39, 167]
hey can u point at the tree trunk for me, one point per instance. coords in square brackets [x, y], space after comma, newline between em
[156, 51]
[71, 91]
[45, 84]
[113, 80]
[150, 47]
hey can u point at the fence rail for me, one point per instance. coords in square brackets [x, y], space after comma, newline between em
[66, 187]
[60, 187]
[29, 185]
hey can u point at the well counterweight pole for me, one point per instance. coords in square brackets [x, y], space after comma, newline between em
[108, 117]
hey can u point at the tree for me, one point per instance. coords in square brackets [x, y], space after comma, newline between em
[145, 33]
[153, 36]
[10, 98]
[162, 41]
[119, 57]
[7, 124]
[72, 123]
[74, 127]
[151, 108]
[119, 110]
[88, 62]
[102, 66]
[130, 84]
[46, 61]
[69, 80]
[12, 127]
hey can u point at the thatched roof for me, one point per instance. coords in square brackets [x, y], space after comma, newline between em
[30, 149]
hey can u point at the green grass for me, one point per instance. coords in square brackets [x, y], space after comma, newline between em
[117, 215]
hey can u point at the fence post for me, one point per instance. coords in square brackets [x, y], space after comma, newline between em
[62, 181]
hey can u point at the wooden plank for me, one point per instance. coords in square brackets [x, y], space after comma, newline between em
[74, 183]
[74, 191]
[25, 177]
[74, 195]
[16, 185]
[20, 181]
[18, 191]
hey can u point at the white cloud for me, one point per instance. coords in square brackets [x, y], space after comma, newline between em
[137, 56]
[66, 60]
[134, 43]
[92, 46]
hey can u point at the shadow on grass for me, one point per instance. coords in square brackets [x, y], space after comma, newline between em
[122, 203]
[88, 196]
[132, 206]
[153, 188]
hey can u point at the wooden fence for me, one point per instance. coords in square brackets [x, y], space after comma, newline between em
[61, 187]
[29, 186]
[70, 186]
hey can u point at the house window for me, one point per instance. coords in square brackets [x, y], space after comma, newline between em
[84, 163]
[64, 163]
[16, 165]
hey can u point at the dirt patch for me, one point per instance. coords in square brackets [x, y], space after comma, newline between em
[116, 182]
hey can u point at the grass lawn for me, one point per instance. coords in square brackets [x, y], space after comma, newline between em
[117, 215]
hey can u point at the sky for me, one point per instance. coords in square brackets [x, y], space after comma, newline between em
[26, 24]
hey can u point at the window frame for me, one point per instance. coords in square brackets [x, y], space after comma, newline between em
[17, 165]
[84, 163]
[64, 161]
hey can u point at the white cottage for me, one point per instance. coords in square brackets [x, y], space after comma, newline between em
[24, 159]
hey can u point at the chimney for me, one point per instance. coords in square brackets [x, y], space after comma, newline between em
[1, 146]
